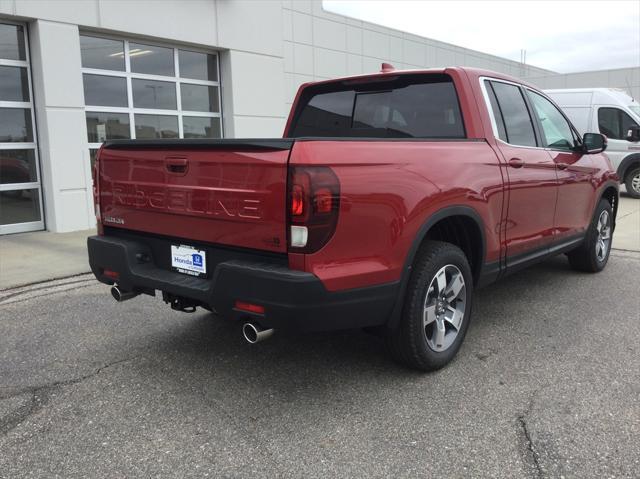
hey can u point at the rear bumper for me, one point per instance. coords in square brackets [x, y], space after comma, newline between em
[293, 300]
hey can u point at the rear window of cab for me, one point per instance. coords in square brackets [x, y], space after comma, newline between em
[404, 106]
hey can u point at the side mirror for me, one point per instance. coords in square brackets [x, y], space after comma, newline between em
[594, 143]
[633, 134]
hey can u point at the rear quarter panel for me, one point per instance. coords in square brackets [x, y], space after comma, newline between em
[388, 190]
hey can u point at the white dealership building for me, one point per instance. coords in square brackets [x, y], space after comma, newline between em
[76, 72]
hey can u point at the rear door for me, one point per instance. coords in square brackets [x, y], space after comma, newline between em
[226, 192]
[532, 182]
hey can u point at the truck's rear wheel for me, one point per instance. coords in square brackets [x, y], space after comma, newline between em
[593, 254]
[437, 308]
[632, 182]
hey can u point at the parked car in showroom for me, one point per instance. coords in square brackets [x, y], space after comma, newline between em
[391, 197]
[614, 114]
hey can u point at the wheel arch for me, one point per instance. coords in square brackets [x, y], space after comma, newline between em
[626, 164]
[475, 251]
[610, 192]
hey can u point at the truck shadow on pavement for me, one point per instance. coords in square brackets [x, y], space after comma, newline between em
[514, 305]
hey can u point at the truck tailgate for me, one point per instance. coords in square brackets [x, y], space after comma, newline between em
[230, 192]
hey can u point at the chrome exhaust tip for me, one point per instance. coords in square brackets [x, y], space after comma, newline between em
[120, 295]
[254, 333]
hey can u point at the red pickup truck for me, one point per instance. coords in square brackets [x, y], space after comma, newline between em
[390, 198]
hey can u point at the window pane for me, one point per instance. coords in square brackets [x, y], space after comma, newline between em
[626, 122]
[107, 126]
[497, 114]
[17, 166]
[326, 114]
[609, 123]
[200, 66]
[154, 94]
[12, 42]
[517, 121]
[100, 90]
[15, 125]
[19, 206]
[156, 126]
[409, 107]
[614, 123]
[199, 98]
[556, 129]
[151, 60]
[198, 127]
[102, 53]
[14, 84]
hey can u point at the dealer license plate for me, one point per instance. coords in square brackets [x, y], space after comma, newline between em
[188, 260]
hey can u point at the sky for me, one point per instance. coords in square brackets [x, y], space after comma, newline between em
[560, 35]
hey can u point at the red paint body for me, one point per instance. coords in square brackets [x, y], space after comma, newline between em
[388, 191]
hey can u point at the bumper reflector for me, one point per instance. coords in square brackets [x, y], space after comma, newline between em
[111, 274]
[249, 307]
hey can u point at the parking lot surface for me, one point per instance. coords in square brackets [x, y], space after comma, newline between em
[547, 384]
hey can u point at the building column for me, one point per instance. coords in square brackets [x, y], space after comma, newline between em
[61, 125]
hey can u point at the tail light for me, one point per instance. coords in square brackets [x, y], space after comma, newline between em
[314, 203]
[95, 174]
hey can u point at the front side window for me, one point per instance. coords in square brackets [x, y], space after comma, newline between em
[515, 114]
[407, 107]
[555, 128]
[614, 123]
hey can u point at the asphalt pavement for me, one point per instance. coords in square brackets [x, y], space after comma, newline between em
[547, 384]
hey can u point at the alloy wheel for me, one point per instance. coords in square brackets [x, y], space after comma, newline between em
[603, 242]
[444, 308]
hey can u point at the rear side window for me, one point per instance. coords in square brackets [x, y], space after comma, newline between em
[614, 123]
[514, 113]
[410, 106]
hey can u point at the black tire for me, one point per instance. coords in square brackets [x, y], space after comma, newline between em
[632, 175]
[585, 257]
[409, 342]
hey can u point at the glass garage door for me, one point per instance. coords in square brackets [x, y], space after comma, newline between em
[142, 90]
[20, 195]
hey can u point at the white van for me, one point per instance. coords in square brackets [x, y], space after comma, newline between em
[613, 113]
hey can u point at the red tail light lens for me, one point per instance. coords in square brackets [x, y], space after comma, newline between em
[297, 200]
[314, 201]
[95, 173]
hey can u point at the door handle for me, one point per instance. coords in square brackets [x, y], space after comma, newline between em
[176, 166]
[562, 166]
[516, 163]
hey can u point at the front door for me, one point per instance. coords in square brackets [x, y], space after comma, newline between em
[574, 169]
[531, 174]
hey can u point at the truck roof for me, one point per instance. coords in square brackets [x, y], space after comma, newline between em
[390, 71]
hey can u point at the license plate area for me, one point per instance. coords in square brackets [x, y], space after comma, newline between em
[188, 260]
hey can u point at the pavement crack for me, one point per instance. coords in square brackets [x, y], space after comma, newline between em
[532, 457]
[41, 395]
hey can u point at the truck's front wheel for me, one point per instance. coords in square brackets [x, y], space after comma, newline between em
[437, 308]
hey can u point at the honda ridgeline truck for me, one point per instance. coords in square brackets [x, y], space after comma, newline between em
[389, 200]
[614, 114]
